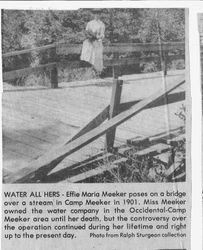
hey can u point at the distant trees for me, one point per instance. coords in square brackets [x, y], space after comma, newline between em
[29, 28]
[32, 28]
[162, 25]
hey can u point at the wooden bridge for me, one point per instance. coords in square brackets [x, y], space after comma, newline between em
[69, 131]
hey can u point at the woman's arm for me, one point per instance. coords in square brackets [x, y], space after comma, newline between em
[89, 34]
[101, 33]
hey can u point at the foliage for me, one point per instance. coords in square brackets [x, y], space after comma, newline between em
[29, 28]
[32, 28]
[162, 25]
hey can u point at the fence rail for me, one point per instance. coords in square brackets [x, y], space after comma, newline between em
[161, 52]
[114, 47]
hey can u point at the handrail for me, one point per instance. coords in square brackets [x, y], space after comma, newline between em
[10, 75]
[63, 49]
[25, 51]
[107, 47]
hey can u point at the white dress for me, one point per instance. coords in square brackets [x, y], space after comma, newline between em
[92, 51]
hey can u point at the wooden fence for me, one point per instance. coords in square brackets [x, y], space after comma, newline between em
[118, 55]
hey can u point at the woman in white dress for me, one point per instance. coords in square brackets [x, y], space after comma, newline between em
[92, 49]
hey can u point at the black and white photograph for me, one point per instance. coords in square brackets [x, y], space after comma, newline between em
[94, 95]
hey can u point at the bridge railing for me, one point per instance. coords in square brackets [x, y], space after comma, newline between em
[115, 56]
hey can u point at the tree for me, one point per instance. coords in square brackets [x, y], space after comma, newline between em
[162, 25]
[32, 28]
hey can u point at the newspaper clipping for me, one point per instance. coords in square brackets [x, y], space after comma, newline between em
[96, 145]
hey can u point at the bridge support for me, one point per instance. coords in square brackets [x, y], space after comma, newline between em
[164, 62]
[54, 78]
[54, 71]
[114, 109]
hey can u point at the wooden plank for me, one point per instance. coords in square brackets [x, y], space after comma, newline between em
[168, 99]
[113, 111]
[39, 107]
[116, 47]
[178, 177]
[23, 149]
[25, 51]
[176, 139]
[137, 60]
[47, 162]
[36, 133]
[46, 114]
[148, 46]
[23, 120]
[101, 117]
[166, 135]
[10, 75]
[96, 171]
[11, 155]
[164, 157]
[54, 78]
[27, 140]
[125, 150]
[66, 49]
[121, 61]
[20, 121]
[138, 140]
[78, 167]
[157, 148]
[172, 169]
[171, 98]
[76, 49]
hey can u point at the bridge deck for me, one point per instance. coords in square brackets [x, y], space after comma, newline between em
[37, 119]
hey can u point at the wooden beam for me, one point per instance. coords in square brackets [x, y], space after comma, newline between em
[122, 61]
[140, 47]
[66, 49]
[23, 72]
[99, 119]
[154, 149]
[48, 161]
[164, 62]
[96, 171]
[113, 111]
[54, 78]
[166, 45]
[168, 99]
[10, 75]
[79, 167]
[25, 51]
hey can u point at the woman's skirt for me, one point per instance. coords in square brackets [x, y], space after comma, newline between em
[92, 52]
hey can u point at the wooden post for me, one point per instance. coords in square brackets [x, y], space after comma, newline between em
[161, 50]
[54, 71]
[165, 54]
[163, 60]
[114, 108]
[54, 78]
